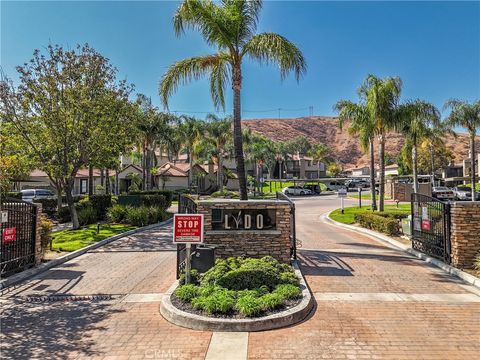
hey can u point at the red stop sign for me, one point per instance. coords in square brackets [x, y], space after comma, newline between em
[188, 228]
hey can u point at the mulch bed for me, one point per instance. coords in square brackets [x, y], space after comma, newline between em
[187, 307]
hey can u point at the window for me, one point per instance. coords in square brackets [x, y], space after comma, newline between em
[83, 186]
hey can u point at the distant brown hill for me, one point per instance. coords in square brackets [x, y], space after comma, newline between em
[344, 147]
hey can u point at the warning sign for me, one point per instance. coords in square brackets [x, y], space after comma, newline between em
[9, 235]
[188, 229]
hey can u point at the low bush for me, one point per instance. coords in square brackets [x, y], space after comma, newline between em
[101, 204]
[63, 215]
[194, 277]
[49, 206]
[165, 193]
[138, 216]
[117, 213]
[384, 224]
[225, 194]
[154, 200]
[249, 287]
[130, 200]
[46, 226]
[14, 195]
[86, 215]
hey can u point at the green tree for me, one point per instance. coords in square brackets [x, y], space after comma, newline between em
[416, 121]
[190, 131]
[62, 103]
[230, 26]
[362, 124]
[219, 134]
[381, 98]
[334, 169]
[320, 153]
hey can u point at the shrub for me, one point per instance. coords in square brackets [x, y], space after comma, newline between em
[63, 215]
[248, 278]
[385, 224]
[154, 200]
[49, 206]
[477, 264]
[76, 198]
[194, 277]
[46, 226]
[166, 193]
[101, 203]
[225, 194]
[131, 200]
[117, 213]
[87, 215]
[221, 301]
[14, 195]
[272, 301]
[138, 216]
[288, 291]
[187, 292]
[249, 305]
[212, 275]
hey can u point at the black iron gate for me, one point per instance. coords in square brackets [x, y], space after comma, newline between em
[431, 226]
[293, 232]
[18, 236]
[186, 205]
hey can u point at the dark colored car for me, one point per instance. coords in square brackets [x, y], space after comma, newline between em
[314, 188]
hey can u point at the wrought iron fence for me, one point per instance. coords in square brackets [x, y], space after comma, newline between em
[18, 235]
[431, 226]
[293, 232]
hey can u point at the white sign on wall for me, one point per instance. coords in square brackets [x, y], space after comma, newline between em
[4, 216]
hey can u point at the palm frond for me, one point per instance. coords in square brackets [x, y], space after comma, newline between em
[187, 70]
[273, 48]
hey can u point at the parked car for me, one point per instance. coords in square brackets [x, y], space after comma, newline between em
[32, 194]
[465, 193]
[357, 184]
[443, 193]
[334, 185]
[296, 190]
[314, 188]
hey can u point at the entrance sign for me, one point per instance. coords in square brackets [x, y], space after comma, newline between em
[342, 192]
[188, 229]
[9, 235]
[245, 219]
[4, 216]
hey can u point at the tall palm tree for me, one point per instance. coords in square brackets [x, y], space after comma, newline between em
[417, 119]
[362, 124]
[382, 100]
[219, 133]
[190, 130]
[230, 26]
[281, 156]
[319, 153]
[467, 116]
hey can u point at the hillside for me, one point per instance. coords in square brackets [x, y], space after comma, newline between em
[344, 147]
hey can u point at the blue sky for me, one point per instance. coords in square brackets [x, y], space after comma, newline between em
[433, 46]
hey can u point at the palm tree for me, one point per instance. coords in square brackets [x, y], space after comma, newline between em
[190, 130]
[467, 116]
[319, 153]
[381, 99]
[417, 119]
[219, 133]
[361, 124]
[230, 26]
[281, 156]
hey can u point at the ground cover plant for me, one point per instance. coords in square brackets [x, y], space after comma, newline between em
[348, 217]
[240, 287]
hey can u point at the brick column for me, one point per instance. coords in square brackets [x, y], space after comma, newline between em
[465, 233]
[38, 240]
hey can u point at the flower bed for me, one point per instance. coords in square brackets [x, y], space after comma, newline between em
[240, 288]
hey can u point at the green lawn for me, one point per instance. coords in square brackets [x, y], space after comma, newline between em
[349, 212]
[71, 240]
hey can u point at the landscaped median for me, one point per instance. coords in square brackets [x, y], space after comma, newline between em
[240, 294]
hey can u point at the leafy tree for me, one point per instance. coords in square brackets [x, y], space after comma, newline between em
[334, 169]
[381, 99]
[299, 144]
[230, 26]
[281, 155]
[63, 102]
[262, 152]
[219, 134]
[467, 116]
[416, 119]
[190, 131]
[320, 153]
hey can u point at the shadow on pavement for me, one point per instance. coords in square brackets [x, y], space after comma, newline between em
[52, 330]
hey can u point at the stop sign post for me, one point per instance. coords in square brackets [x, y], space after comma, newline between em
[188, 230]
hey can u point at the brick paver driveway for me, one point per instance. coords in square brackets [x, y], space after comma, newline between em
[372, 302]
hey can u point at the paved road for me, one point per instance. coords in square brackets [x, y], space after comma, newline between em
[372, 302]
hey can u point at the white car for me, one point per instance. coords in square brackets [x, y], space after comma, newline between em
[296, 190]
[31, 194]
[335, 185]
[443, 193]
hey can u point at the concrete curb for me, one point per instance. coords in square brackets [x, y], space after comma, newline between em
[275, 321]
[14, 279]
[470, 279]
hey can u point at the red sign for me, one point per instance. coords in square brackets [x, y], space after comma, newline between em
[426, 225]
[9, 235]
[188, 228]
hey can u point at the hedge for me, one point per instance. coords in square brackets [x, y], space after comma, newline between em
[384, 223]
[14, 195]
[137, 200]
[101, 203]
[167, 193]
[49, 206]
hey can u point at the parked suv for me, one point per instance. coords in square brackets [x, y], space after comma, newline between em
[357, 184]
[296, 190]
[32, 194]
[314, 188]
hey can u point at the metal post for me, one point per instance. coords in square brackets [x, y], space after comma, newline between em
[188, 264]
[360, 197]
[342, 203]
